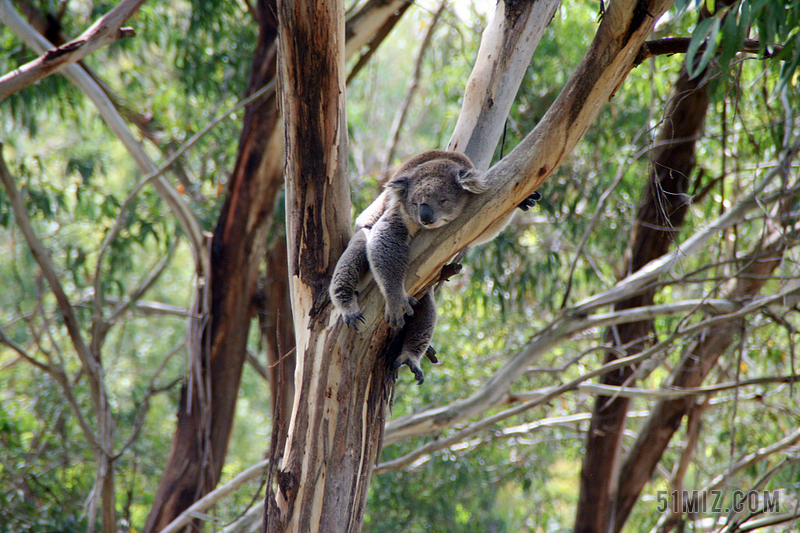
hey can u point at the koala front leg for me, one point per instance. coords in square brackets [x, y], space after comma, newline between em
[418, 336]
[350, 268]
[387, 251]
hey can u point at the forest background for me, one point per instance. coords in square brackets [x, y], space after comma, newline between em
[87, 431]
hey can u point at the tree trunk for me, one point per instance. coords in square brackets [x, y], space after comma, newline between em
[699, 358]
[659, 218]
[204, 423]
[209, 400]
[277, 334]
[341, 377]
[341, 394]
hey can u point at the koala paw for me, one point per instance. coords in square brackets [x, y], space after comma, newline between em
[412, 360]
[530, 201]
[395, 314]
[353, 318]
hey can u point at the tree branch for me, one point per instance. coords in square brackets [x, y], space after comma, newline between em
[507, 45]
[105, 31]
[680, 45]
[80, 78]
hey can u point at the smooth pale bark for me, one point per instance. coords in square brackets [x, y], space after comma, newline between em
[660, 216]
[507, 45]
[603, 68]
[334, 431]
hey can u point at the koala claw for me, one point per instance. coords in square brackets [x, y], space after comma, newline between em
[413, 365]
[530, 201]
[352, 319]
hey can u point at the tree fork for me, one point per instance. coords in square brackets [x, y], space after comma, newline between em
[338, 413]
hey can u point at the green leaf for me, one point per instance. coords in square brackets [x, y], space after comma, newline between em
[706, 32]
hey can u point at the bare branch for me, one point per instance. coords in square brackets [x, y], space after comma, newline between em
[507, 45]
[105, 107]
[494, 391]
[89, 361]
[106, 30]
[680, 45]
[204, 503]
[355, 28]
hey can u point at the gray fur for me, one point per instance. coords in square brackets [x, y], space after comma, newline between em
[427, 192]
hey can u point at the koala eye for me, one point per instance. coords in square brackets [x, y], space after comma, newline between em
[444, 201]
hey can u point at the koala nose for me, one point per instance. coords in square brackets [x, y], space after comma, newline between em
[426, 215]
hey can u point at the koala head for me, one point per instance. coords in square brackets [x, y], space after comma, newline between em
[433, 187]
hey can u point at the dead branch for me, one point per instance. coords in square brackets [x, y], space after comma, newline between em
[106, 30]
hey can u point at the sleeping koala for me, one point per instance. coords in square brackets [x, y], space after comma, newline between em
[426, 192]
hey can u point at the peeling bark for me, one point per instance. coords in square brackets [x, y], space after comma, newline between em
[201, 437]
[337, 416]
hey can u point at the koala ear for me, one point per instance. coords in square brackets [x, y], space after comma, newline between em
[398, 184]
[472, 180]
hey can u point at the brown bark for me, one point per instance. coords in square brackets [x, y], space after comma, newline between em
[660, 216]
[277, 334]
[102, 33]
[381, 34]
[198, 451]
[699, 359]
[204, 424]
[337, 416]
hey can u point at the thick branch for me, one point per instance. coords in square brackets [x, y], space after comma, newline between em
[507, 45]
[603, 68]
[495, 391]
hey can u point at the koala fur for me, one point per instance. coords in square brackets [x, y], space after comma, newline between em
[428, 191]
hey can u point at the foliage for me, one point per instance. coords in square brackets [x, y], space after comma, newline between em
[74, 177]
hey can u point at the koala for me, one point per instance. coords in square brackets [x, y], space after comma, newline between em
[427, 192]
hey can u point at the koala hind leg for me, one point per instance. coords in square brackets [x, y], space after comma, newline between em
[418, 334]
[350, 268]
[387, 251]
